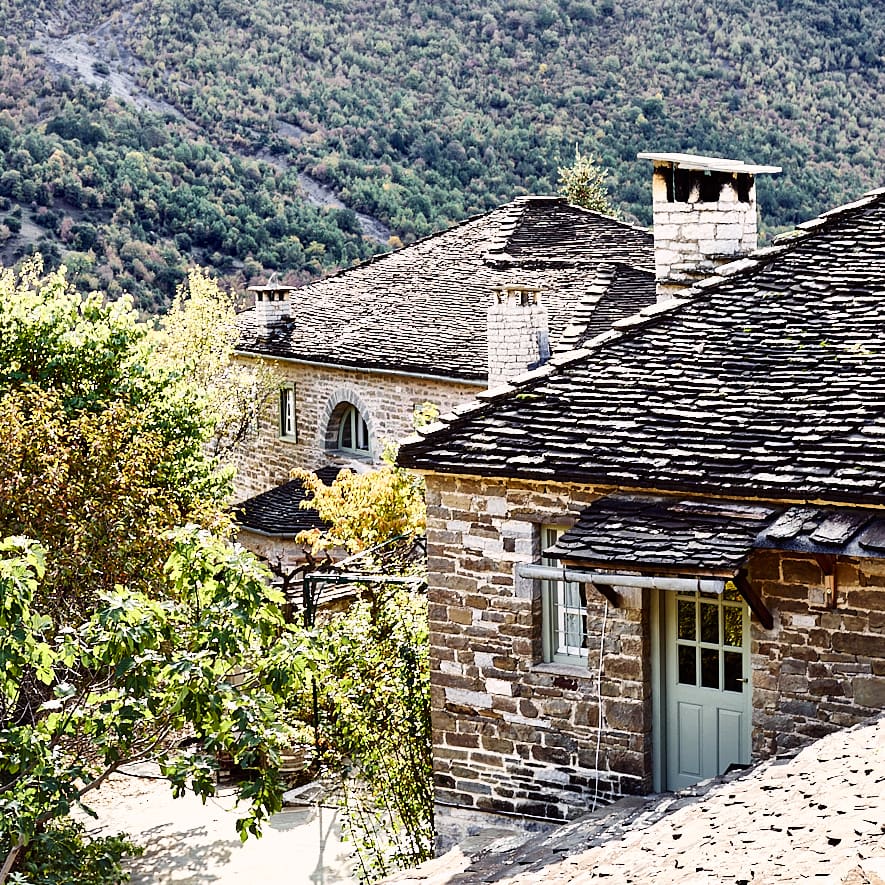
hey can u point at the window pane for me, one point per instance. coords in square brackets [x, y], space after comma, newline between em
[687, 658]
[734, 626]
[572, 595]
[710, 622]
[345, 435]
[362, 442]
[709, 668]
[734, 671]
[687, 619]
[574, 630]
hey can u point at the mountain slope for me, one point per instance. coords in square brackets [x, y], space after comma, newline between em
[418, 114]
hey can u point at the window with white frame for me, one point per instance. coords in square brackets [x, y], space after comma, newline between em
[287, 413]
[563, 611]
[353, 432]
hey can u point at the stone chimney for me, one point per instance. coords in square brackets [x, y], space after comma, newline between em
[518, 333]
[704, 215]
[272, 303]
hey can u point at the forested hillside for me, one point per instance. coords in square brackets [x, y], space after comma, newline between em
[209, 124]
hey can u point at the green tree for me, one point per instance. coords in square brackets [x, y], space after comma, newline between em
[120, 631]
[102, 444]
[197, 339]
[206, 658]
[371, 667]
[583, 183]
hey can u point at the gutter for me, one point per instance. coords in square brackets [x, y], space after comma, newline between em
[615, 579]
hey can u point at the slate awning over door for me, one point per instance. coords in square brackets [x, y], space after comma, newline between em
[665, 534]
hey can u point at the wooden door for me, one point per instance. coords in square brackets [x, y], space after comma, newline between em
[707, 683]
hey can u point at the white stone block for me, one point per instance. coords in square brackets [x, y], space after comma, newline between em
[729, 232]
[477, 699]
[499, 687]
[484, 660]
[496, 506]
[451, 667]
[804, 621]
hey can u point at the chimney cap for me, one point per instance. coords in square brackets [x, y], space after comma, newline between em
[272, 287]
[707, 164]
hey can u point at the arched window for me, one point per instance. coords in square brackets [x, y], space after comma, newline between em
[353, 434]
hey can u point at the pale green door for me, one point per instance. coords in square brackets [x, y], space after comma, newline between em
[707, 684]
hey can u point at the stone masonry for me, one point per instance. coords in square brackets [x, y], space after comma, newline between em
[512, 734]
[820, 668]
[515, 735]
[386, 400]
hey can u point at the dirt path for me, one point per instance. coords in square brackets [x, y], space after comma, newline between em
[188, 843]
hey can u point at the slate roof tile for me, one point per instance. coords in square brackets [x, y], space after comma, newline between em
[423, 308]
[278, 511]
[791, 350]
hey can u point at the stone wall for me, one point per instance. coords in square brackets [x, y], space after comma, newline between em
[512, 734]
[386, 401]
[820, 668]
[515, 735]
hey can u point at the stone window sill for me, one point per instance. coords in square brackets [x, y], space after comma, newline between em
[557, 669]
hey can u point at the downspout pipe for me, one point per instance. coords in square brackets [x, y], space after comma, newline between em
[615, 579]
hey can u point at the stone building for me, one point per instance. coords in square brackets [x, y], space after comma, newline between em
[359, 353]
[662, 553]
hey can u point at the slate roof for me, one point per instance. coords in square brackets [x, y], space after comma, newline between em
[423, 308]
[767, 381]
[278, 511]
[703, 536]
[814, 818]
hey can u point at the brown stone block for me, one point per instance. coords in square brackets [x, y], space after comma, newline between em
[502, 704]
[462, 740]
[765, 567]
[557, 708]
[622, 667]
[793, 684]
[459, 615]
[872, 580]
[828, 687]
[819, 638]
[487, 759]
[860, 644]
[793, 666]
[448, 755]
[866, 599]
[554, 755]
[801, 571]
[846, 573]
[624, 715]
[869, 691]
[496, 744]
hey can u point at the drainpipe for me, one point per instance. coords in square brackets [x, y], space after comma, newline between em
[613, 579]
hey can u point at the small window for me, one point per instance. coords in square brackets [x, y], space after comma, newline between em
[287, 413]
[564, 612]
[353, 433]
